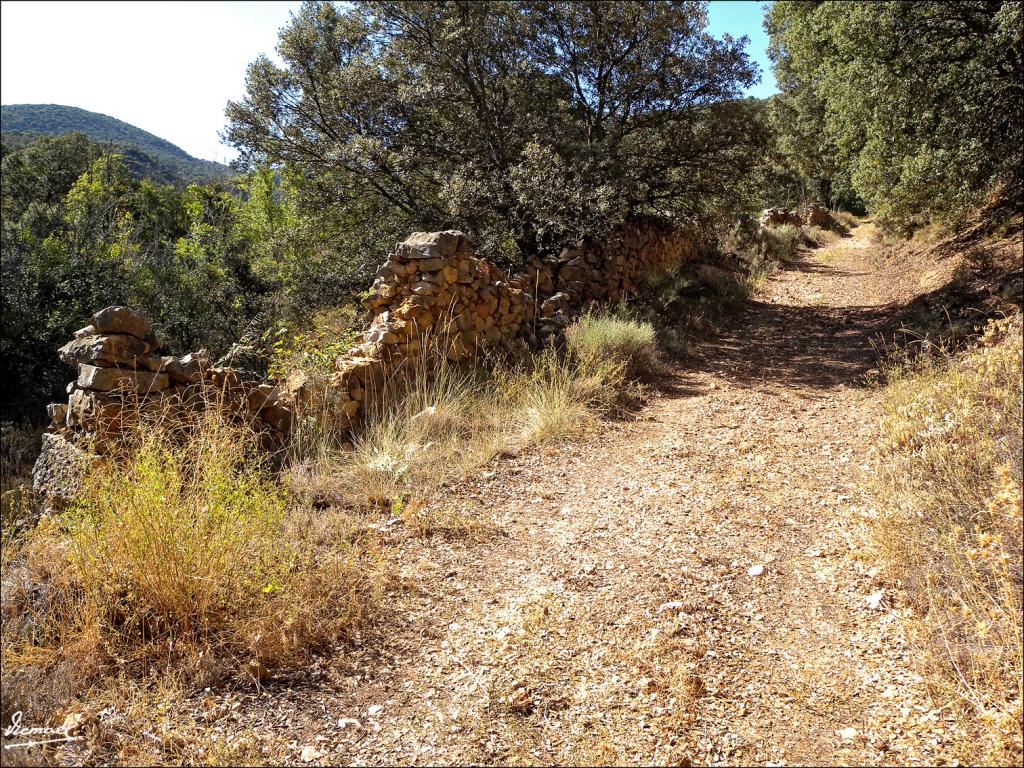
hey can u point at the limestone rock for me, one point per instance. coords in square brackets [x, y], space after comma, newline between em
[815, 215]
[187, 369]
[92, 408]
[108, 379]
[58, 413]
[122, 320]
[60, 469]
[774, 217]
[262, 397]
[115, 348]
[430, 245]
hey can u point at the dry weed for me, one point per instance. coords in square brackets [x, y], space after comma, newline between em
[950, 491]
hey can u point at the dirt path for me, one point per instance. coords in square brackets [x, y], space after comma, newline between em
[689, 586]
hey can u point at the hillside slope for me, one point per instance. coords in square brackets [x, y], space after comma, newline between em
[20, 122]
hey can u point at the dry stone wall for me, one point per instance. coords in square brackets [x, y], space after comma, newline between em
[811, 215]
[432, 296]
[121, 376]
[433, 293]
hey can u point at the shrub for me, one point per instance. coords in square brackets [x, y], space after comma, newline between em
[817, 237]
[781, 243]
[19, 446]
[421, 425]
[950, 526]
[846, 219]
[558, 396]
[618, 339]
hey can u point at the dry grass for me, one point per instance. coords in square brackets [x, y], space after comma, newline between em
[187, 562]
[753, 282]
[617, 338]
[846, 219]
[950, 491]
[181, 557]
[818, 237]
[436, 422]
[781, 243]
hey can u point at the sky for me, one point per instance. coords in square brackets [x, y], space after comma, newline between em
[171, 67]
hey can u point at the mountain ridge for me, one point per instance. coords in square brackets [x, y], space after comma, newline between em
[173, 162]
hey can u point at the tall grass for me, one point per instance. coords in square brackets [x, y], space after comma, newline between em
[950, 491]
[181, 554]
[433, 421]
[617, 338]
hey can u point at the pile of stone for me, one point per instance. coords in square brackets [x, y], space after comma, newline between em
[122, 379]
[604, 271]
[430, 297]
[815, 215]
[119, 372]
[433, 286]
[776, 217]
[121, 375]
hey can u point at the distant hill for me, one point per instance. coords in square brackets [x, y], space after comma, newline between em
[148, 155]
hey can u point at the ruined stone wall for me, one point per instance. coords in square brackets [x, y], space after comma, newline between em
[431, 294]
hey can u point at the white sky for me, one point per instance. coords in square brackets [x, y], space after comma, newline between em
[171, 67]
[166, 67]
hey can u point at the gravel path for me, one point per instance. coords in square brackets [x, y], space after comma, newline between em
[690, 586]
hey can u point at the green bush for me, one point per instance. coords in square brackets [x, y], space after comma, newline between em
[781, 243]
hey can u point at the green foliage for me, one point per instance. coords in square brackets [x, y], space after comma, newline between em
[524, 124]
[781, 243]
[914, 106]
[147, 155]
[80, 233]
[211, 267]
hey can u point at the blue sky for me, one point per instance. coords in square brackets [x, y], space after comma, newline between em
[170, 67]
[738, 18]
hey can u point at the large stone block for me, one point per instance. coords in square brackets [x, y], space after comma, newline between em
[116, 349]
[109, 379]
[86, 407]
[430, 245]
[187, 369]
[122, 320]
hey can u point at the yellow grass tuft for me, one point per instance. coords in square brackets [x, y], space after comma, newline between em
[180, 554]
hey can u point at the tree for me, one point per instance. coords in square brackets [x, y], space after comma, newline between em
[918, 103]
[81, 232]
[527, 124]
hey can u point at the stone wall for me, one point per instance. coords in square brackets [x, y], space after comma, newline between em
[121, 375]
[431, 294]
[811, 215]
[434, 293]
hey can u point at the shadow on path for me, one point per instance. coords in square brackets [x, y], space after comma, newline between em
[814, 346]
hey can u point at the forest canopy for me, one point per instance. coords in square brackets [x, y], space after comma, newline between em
[526, 124]
[916, 107]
